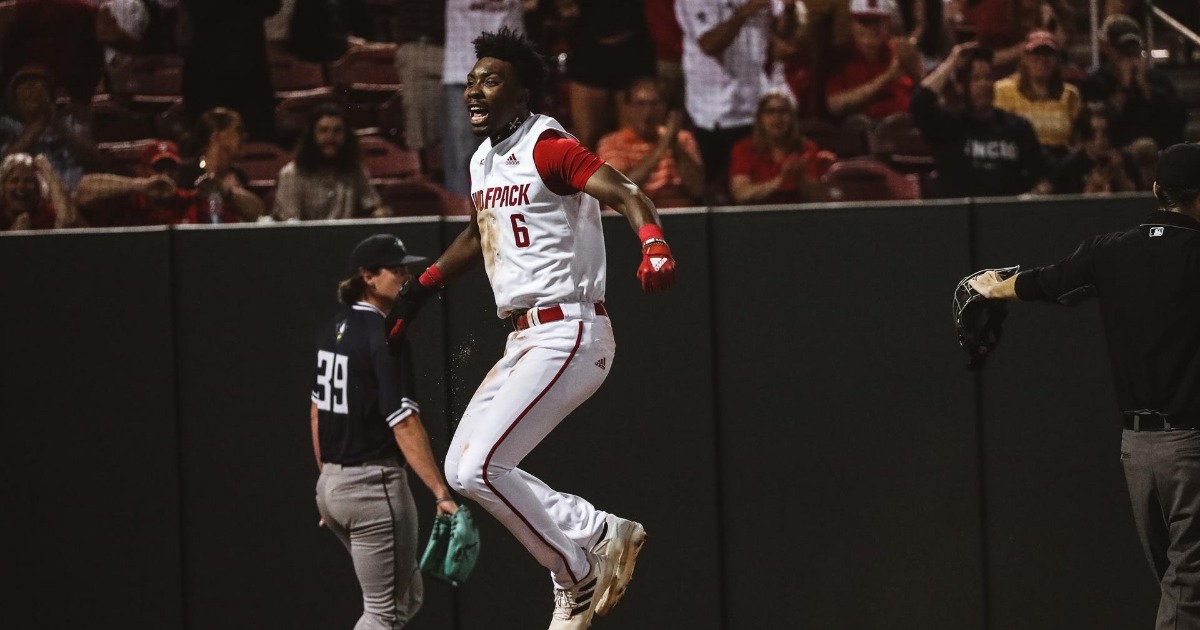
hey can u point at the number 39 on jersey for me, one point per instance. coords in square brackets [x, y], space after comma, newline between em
[332, 374]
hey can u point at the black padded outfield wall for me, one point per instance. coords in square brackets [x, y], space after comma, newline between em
[1062, 549]
[846, 433]
[792, 423]
[87, 398]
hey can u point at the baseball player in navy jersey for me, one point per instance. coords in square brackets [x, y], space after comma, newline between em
[366, 430]
[536, 225]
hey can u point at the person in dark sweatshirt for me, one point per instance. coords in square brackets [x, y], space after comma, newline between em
[979, 151]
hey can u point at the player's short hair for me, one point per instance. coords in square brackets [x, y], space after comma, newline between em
[1177, 198]
[513, 47]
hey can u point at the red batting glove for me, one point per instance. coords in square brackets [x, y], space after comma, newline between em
[657, 271]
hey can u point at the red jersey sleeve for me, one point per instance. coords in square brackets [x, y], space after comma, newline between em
[564, 164]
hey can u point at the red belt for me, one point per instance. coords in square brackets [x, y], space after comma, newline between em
[549, 314]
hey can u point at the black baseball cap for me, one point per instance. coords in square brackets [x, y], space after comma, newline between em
[381, 250]
[1179, 166]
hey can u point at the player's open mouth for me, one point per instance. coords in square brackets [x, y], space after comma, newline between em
[479, 114]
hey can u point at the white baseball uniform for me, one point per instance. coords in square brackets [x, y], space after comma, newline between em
[543, 247]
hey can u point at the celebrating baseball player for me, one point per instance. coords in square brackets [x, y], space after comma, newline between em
[1147, 281]
[536, 225]
[366, 429]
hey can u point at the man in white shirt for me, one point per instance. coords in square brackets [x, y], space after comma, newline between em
[724, 58]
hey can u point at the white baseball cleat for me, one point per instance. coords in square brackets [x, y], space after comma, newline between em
[621, 545]
[575, 606]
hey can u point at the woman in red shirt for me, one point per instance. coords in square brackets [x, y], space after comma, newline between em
[777, 164]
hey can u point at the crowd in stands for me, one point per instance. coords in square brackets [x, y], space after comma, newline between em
[143, 112]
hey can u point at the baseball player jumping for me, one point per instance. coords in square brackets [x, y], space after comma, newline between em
[536, 225]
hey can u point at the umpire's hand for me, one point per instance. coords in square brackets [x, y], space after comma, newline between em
[985, 282]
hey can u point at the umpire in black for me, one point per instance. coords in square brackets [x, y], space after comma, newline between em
[1147, 281]
[366, 432]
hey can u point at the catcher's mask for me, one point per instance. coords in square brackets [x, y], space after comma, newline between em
[979, 320]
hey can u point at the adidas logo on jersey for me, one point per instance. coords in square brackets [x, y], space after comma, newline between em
[601, 363]
[512, 160]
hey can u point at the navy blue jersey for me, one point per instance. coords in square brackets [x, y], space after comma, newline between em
[360, 389]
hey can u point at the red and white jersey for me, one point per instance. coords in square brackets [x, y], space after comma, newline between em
[542, 239]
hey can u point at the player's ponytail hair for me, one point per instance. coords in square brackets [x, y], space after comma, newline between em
[352, 289]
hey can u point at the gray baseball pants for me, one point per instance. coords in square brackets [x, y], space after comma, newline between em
[1162, 470]
[371, 510]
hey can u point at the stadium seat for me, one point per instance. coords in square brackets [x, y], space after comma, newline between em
[390, 119]
[123, 157]
[261, 161]
[292, 77]
[293, 112]
[898, 142]
[172, 123]
[363, 117]
[843, 141]
[869, 180]
[414, 197]
[112, 122]
[149, 79]
[385, 160]
[371, 69]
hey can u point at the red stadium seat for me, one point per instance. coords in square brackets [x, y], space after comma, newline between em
[370, 69]
[363, 117]
[385, 160]
[292, 77]
[150, 79]
[172, 123]
[112, 122]
[293, 112]
[262, 161]
[390, 119]
[415, 197]
[869, 180]
[897, 141]
[123, 157]
[842, 141]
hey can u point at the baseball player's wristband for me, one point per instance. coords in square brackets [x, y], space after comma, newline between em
[650, 232]
[432, 278]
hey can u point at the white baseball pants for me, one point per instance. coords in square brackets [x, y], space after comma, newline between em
[546, 372]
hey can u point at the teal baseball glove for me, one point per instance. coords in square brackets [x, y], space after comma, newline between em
[453, 547]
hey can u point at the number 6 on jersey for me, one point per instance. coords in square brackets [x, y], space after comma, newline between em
[520, 232]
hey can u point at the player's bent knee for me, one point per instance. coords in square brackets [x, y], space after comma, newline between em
[474, 479]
